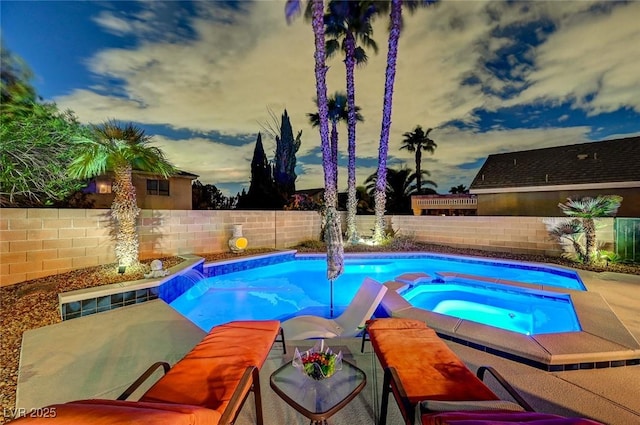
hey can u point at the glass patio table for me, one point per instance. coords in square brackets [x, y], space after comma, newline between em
[318, 400]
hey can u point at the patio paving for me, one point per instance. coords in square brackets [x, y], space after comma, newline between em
[99, 355]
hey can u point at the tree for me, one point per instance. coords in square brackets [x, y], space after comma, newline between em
[209, 197]
[587, 209]
[284, 168]
[337, 108]
[16, 92]
[399, 186]
[347, 23]
[335, 249]
[364, 201]
[261, 190]
[395, 18]
[417, 141]
[34, 142]
[120, 149]
[34, 156]
[571, 230]
[461, 189]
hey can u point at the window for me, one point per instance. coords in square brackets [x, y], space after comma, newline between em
[158, 187]
[104, 187]
[100, 185]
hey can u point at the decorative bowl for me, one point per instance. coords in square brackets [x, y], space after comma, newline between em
[318, 362]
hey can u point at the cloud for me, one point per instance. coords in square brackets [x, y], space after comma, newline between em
[589, 61]
[113, 24]
[221, 68]
[213, 161]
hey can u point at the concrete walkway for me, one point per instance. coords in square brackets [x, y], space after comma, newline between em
[99, 355]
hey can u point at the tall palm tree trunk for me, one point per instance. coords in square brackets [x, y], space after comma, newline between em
[321, 95]
[334, 157]
[352, 202]
[335, 250]
[125, 211]
[392, 54]
[419, 170]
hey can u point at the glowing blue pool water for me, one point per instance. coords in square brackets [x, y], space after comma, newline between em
[523, 311]
[293, 288]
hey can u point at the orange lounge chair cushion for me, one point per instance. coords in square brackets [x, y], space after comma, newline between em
[396, 323]
[208, 375]
[498, 418]
[426, 366]
[113, 412]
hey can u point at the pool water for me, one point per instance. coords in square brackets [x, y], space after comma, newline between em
[292, 288]
[524, 311]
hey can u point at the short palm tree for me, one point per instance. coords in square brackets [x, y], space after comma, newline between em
[348, 24]
[461, 189]
[120, 149]
[587, 209]
[417, 141]
[570, 230]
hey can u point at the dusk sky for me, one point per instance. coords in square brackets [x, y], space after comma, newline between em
[201, 77]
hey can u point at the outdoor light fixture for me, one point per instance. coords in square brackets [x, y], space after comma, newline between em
[121, 269]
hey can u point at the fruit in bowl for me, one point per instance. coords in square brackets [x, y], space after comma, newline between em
[317, 363]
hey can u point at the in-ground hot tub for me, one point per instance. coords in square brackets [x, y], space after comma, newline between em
[544, 326]
[527, 312]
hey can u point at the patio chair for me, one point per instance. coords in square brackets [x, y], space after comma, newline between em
[349, 324]
[207, 386]
[421, 370]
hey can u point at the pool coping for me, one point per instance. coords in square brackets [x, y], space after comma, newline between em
[87, 301]
[603, 342]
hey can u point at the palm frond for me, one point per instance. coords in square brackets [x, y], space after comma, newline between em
[292, 10]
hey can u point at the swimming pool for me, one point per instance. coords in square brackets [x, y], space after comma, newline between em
[291, 288]
[526, 312]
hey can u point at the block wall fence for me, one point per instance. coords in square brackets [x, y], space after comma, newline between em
[40, 242]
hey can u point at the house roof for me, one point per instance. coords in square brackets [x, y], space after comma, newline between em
[604, 162]
[187, 174]
[178, 173]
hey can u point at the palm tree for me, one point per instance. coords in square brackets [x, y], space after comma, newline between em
[418, 141]
[395, 18]
[587, 209]
[337, 107]
[364, 200]
[461, 189]
[335, 249]
[347, 23]
[120, 149]
[571, 230]
[399, 186]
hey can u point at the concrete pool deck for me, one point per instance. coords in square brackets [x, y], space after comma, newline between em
[99, 355]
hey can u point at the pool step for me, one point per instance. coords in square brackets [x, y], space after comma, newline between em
[413, 278]
[448, 276]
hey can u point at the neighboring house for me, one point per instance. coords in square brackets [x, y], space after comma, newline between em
[152, 191]
[534, 182]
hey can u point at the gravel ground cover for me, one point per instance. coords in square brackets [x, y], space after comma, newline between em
[33, 304]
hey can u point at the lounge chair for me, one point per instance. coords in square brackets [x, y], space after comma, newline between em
[349, 324]
[208, 386]
[421, 370]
